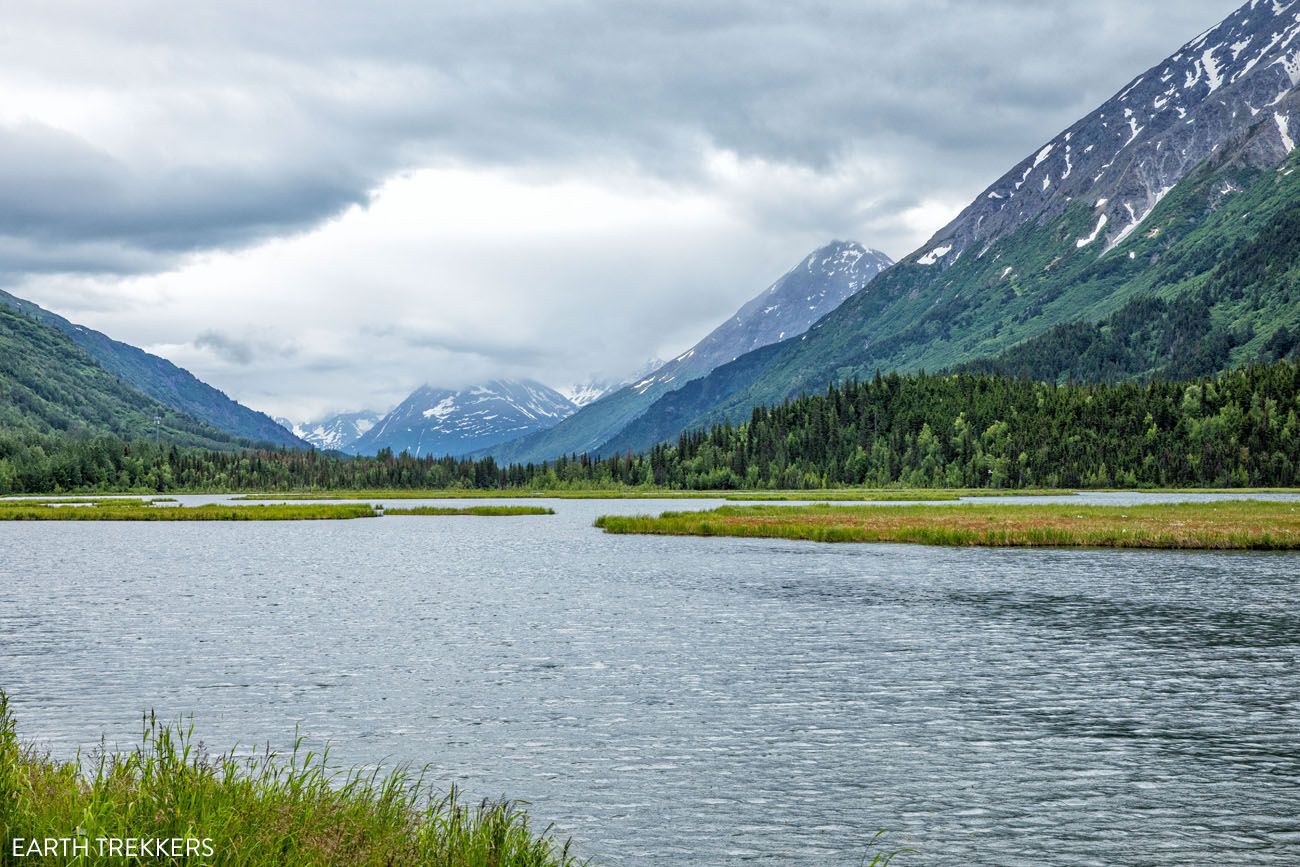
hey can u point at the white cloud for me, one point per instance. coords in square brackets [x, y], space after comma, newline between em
[449, 276]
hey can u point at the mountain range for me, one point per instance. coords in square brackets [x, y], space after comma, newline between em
[439, 421]
[470, 426]
[335, 432]
[1123, 233]
[1156, 237]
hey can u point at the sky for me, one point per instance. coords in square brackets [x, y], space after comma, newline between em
[320, 206]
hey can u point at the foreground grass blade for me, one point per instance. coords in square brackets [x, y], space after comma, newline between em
[265, 810]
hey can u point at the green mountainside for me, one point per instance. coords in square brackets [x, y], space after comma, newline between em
[49, 385]
[1204, 286]
[1244, 310]
[171, 385]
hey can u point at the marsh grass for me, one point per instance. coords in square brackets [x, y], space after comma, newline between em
[270, 809]
[481, 511]
[1230, 525]
[146, 510]
[815, 495]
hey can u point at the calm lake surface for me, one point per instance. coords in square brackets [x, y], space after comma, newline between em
[700, 701]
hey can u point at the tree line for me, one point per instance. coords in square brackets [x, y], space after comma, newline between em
[975, 430]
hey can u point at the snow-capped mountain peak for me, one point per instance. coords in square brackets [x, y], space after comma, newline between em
[787, 308]
[440, 421]
[335, 432]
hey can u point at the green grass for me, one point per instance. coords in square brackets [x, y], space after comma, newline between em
[267, 810]
[482, 511]
[143, 510]
[1232, 525]
[821, 495]
[892, 495]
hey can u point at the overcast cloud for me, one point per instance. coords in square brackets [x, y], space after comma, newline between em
[319, 206]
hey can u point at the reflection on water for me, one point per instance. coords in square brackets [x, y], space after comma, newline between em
[701, 701]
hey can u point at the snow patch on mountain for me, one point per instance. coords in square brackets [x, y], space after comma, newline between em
[584, 393]
[1283, 122]
[1101, 224]
[935, 255]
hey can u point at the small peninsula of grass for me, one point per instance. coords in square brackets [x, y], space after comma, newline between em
[266, 810]
[147, 510]
[481, 511]
[1231, 525]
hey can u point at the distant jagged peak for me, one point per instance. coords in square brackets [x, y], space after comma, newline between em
[787, 308]
[844, 256]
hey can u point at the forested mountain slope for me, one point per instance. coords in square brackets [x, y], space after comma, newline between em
[1239, 428]
[49, 385]
[1244, 310]
[159, 378]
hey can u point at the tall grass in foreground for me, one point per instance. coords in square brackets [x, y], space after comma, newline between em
[1232, 525]
[268, 810]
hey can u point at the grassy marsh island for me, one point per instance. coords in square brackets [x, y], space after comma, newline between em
[481, 511]
[85, 501]
[1224, 526]
[264, 810]
[165, 510]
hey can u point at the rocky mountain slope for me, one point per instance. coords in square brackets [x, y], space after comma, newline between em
[814, 287]
[439, 421]
[1143, 198]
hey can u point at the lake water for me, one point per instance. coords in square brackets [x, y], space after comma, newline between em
[700, 701]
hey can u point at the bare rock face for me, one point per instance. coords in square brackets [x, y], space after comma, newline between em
[1233, 88]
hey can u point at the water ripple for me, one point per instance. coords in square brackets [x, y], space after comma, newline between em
[700, 701]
